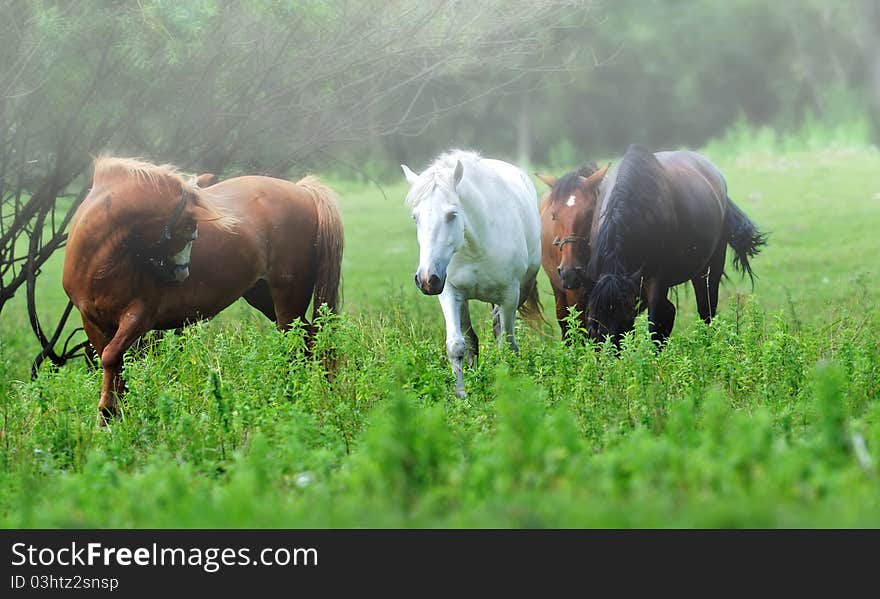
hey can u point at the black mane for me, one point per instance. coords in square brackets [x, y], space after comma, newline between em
[631, 213]
[567, 184]
[612, 290]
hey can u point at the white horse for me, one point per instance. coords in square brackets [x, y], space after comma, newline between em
[479, 235]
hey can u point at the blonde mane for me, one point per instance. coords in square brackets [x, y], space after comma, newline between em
[108, 168]
[111, 168]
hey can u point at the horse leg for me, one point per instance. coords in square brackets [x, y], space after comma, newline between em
[496, 320]
[456, 346]
[706, 285]
[260, 297]
[561, 312]
[582, 308]
[132, 325]
[661, 313]
[96, 336]
[473, 343]
[717, 271]
[701, 292]
[507, 317]
[290, 303]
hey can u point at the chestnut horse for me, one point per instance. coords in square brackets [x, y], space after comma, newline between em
[149, 249]
[566, 216]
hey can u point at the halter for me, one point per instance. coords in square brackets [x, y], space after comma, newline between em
[178, 211]
[165, 269]
[570, 239]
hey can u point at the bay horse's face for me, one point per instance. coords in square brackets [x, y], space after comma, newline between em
[440, 231]
[572, 204]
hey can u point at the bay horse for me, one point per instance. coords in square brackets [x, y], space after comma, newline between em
[566, 217]
[149, 249]
[662, 219]
[479, 238]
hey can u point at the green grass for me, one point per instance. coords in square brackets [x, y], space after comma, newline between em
[768, 417]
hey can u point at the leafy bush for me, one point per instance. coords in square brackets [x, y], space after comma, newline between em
[741, 423]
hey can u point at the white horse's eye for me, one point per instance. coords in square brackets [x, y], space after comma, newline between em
[415, 217]
[451, 215]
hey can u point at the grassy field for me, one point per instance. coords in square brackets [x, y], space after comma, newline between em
[768, 417]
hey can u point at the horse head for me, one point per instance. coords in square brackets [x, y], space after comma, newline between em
[573, 199]
[159, 209]
[613, 306]
[437, 212]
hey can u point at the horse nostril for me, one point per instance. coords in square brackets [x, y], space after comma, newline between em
[416, 280]
[433, 281]
[559, 271]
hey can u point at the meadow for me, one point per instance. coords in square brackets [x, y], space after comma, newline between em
[768, 417]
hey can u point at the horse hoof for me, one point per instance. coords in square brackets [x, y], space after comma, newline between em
[459, 393]
[106, 416]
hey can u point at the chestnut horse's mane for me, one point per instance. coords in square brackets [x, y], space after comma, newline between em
[109, 168]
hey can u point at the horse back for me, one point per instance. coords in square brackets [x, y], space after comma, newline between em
[277, 219]
[522, 193]
[698, 195]
[266, 200]
[698, 192]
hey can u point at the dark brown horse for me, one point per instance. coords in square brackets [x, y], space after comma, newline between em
[662, 219]
[566, 217]
[148, 249]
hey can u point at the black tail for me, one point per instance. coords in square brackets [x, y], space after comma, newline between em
[744, 237]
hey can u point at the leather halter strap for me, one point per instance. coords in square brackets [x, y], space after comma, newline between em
[178, 212]
[570, 239]
[161, 265]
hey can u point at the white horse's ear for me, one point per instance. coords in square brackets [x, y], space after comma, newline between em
[410, 176]
[457, 175]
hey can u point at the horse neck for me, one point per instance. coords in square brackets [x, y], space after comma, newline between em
[476, 219]
[607, 258]
[605, 189]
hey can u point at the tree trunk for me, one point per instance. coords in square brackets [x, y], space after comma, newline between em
[871, 11]
[524, 132]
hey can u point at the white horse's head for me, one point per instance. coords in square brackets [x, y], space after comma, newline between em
[436, 210]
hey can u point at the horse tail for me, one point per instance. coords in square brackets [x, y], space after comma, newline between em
[530, 308]
[744, 237]
[328, 245]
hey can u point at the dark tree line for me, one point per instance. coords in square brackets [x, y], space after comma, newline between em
[669, 73]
